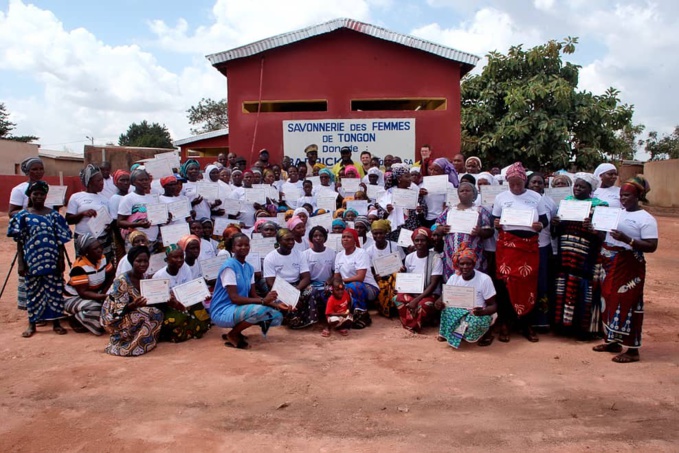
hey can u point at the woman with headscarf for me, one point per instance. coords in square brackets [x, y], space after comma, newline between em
[459, 324]
[190, 244]
[134, 327]
[40, 233]
[248, 211]
[132, 209]
[622, 292]
[321, 261]
[84, 205]
[362, 227]
[417, 310]
[447, 168]
[121, 180]
[298, 229]
[353, 267]
[137, 239]
[518, 256]
[473, 165]
[561, 181]
[474, 240]
[607, 175]
[349, 172]
[338, 226]
[180, 323]
[90, 278]
[191, 171]
[400, 217]
[291, 265]
[576, 308]
[172, 194]
[381, 247]
[436, 202]
[211, 176]
[327, 187]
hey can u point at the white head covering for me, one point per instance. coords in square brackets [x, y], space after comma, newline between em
[603, 168]
[589, 178]
[374, 171]
[415, 170]
[301, 211]
[486, 177]
[208, 169]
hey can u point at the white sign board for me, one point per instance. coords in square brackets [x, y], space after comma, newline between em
[379, 136]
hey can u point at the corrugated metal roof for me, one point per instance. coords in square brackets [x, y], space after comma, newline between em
[199, 137]
[327, 27]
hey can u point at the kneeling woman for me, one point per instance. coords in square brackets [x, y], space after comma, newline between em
[459, 323]
[417, 310]
[133, 326]
[235, 303]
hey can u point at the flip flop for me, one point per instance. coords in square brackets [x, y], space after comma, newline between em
[486, 341]
[225, 336]
[325, 333]
[59, 330]
[530, 336]
[625, 358]
[28, 333]
[343, 332]
[607, 347]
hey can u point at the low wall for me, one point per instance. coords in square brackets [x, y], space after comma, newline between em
[663, 176]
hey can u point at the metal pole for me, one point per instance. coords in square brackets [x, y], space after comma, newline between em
[8, 274]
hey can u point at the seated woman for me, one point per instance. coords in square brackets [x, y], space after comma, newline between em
[321, 261]
[362, 227]
[190, 244]
[381, 247]
[291, 265]
[417, 310]
[235, 303]
[297, 227]
[137, 239]
[91, 276]
[352, 266]
[180, 323]
[133, 326]
[460, 323]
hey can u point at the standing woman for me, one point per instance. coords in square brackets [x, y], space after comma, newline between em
[398, 216]
[121, 179]
[607, 175]
[40, 234]
[579, 246]
[518, 255]
[321, 261]
[380, 247]
[298, 229]
[191, 171]
[622, 293]
[132, 209]
[134, 327]
[352, 266]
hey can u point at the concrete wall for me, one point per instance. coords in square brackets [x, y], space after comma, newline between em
[12, 153]
[70, 167]
[662, 176]
[121, 157]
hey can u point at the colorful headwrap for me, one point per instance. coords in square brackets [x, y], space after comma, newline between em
[137, 172]
[293, 222]
[473, 158]
[37, 185]
[327, 172]
[236, 172]
[382, 224]
[362, 220]
[258, 224]
[339, 213]
[230, 230]
[564, 178]
[171, 248]
[344, 216]
[135, 234]
[26, 164]
[186, 240]
[87, 173]
[590, 179]
[339, 223]
[448, 168]
[319, 211]
[463, 252]
[640, 185]
[83, 241]
[280, 234]
[208, 170]
[354, 233]
[288, 214]
[603, 168]
[516, 170]
[421, 231]
[184, 169]
[398, 170]
[119, 174]
[318, 166]
[351, 170]
[133, 167]
[167, 180]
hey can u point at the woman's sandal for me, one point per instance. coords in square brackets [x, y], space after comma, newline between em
[625, 358]
[607, 347]
[225, 336]
[59, 330]
[343, 332]
[440, 338]
[486, 341]
[530, 335]
[30, 330]
[504, 334]
[325, 333]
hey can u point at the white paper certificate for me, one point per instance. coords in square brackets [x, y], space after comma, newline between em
[405, 238]
[262, 246]
[255, 195]
[387, 264]
[173, 233]
[292, 194]
[435, 184]
[324, 220]
[558, 193]
[208, 190]
[517, 217]
[459, 296]
[287, 293]
[255, 261]
[180, 209]
[409, 283]
[209, 268]
[315, 181]
[220, 225]
[374, 192]
[462, 221]
[574, 210]
[334, 242]
[98, 224]
[606, 218]
[351, 185]
[172, 158]
[192, 292]
[452, 198]
[404, 198]
[231, 206]
[157, 214]
[155, 290]
[158, 168]
[361, 206]
[156, 263]
[56, 196]
[488, 194]
[327, 202]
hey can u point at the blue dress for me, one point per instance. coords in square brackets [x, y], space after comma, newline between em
[41, 236]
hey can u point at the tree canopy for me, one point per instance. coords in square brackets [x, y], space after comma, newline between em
[146, 135]
[665, 147]
[6, 128]
[525, 106]
[209, 115]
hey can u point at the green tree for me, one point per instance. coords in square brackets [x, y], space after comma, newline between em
[146, 135]
[209, 114]
[665, 147]
[525, 106]
[6, 127]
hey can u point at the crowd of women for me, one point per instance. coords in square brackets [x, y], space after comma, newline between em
[304, 244]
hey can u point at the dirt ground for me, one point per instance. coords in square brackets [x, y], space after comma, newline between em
[378, 390]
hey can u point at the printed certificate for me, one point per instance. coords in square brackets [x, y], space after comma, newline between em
[192, 292]
[158, 168]
[361, 206]
[488, 194]
[404, 198]
[409, 283]
[327, 202]
[98, 224]
[231, 206]
[558, 193]
[462, 221]
[287, 293]
[324, 220]
[435, 184]
[574, 210]
[255, 261]
[257, 195]
[155, 290]
[180, 209]
[56, 196]
[157, 214]
[606, 218]
[173, 233]
[517, 217]
[208, 190]
[404, 238]
[209, 268]
[262, 246]
[351, 185]
[459, 296]
[452, 198]
[334, 242]
[387, 264]
[156, 263]
[374, 192]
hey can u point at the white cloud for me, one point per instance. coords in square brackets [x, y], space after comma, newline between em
[544, 5]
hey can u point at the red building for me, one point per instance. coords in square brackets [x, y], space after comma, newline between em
[343, 83]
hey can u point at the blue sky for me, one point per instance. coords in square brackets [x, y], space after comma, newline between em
[75, 68]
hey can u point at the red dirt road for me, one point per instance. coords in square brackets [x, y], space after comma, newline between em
[378, 390]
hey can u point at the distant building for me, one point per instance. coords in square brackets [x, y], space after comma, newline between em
[12, 153]
[61, 161]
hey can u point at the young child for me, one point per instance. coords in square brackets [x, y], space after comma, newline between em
[338, 311]
[307, 198]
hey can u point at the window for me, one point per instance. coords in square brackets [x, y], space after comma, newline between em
[286, 106]
[358, 105]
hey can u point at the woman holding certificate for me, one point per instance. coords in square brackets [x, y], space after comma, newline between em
[519, 214]
[607, 175]
[235, 303]
[191, 171]
[472, 235]
[622, 292]
[391, 204]
[467, 315]
[382, 247]
[134, 326]
[416, 308]
[132, 209]
[576, 307]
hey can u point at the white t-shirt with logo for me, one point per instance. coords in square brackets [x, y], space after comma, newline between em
[347, 265]
[482, 283]
[637, 225]
[288, 267]
[529, 200]
[81, 202]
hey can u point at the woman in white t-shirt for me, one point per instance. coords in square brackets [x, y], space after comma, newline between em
[417, 309]
[321, 261]
[470, 324]
[352, 266]
[622, 292]
[524, 215]
[132, 209]
[607, 191]
[379, 248]
[291, 265]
